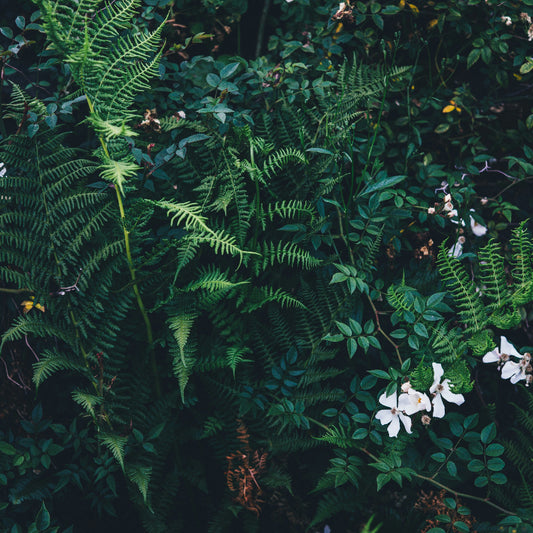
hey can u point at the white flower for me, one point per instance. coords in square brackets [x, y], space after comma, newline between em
[448, 206]
[3, 170]
[448, 198]
[501, 356]
[418, 401]
[477, 229]
[453, 214]
[517, 371]
[393, 415]
[431, 210]
[442, 390]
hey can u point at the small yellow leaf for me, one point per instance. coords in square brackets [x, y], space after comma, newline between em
[448, 109]
[27, 305]
[414, 9]
[402, 3]
[517, 76]
[432, 23]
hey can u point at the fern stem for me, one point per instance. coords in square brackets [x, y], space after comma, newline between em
[343, 236]
[131, 267]
[15, 291]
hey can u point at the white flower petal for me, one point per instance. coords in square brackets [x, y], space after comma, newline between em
[389, 401]
[438, 407]
[406, 421]
[510, 369]
[492, 357]
[415, 401]
[456, 250]
[450, 396]
[438, 371]
[508, 348]
[394, 426]
[385, 416]
[477, 229]
[519, 376]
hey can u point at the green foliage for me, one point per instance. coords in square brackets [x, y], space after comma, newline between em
[243, 279]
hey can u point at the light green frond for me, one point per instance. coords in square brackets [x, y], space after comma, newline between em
[236, 355]
[108, 129]
[118, 172]
[87, 400]
[140, 476]
[115, 444]
[51, 362]
[181, 327]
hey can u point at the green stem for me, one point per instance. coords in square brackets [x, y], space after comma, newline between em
[464, 494]
[449, 489]
[261, 30]
[133, 275]
[15, 291]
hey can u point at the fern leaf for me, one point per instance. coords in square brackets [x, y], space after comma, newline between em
[115, 444]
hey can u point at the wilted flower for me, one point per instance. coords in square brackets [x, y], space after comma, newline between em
[477, 229]
[406, 386]
[506, 20]
[426, 419]
[394, 414]
[442, 390]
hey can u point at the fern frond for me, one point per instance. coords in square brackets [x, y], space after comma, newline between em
[492, 274]
[466, 298]
[260, 296]
[281, 159]
[181, 327]
[284, 252]
[51, 362]
[87, 400]
[115, 444]
[140, 476]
